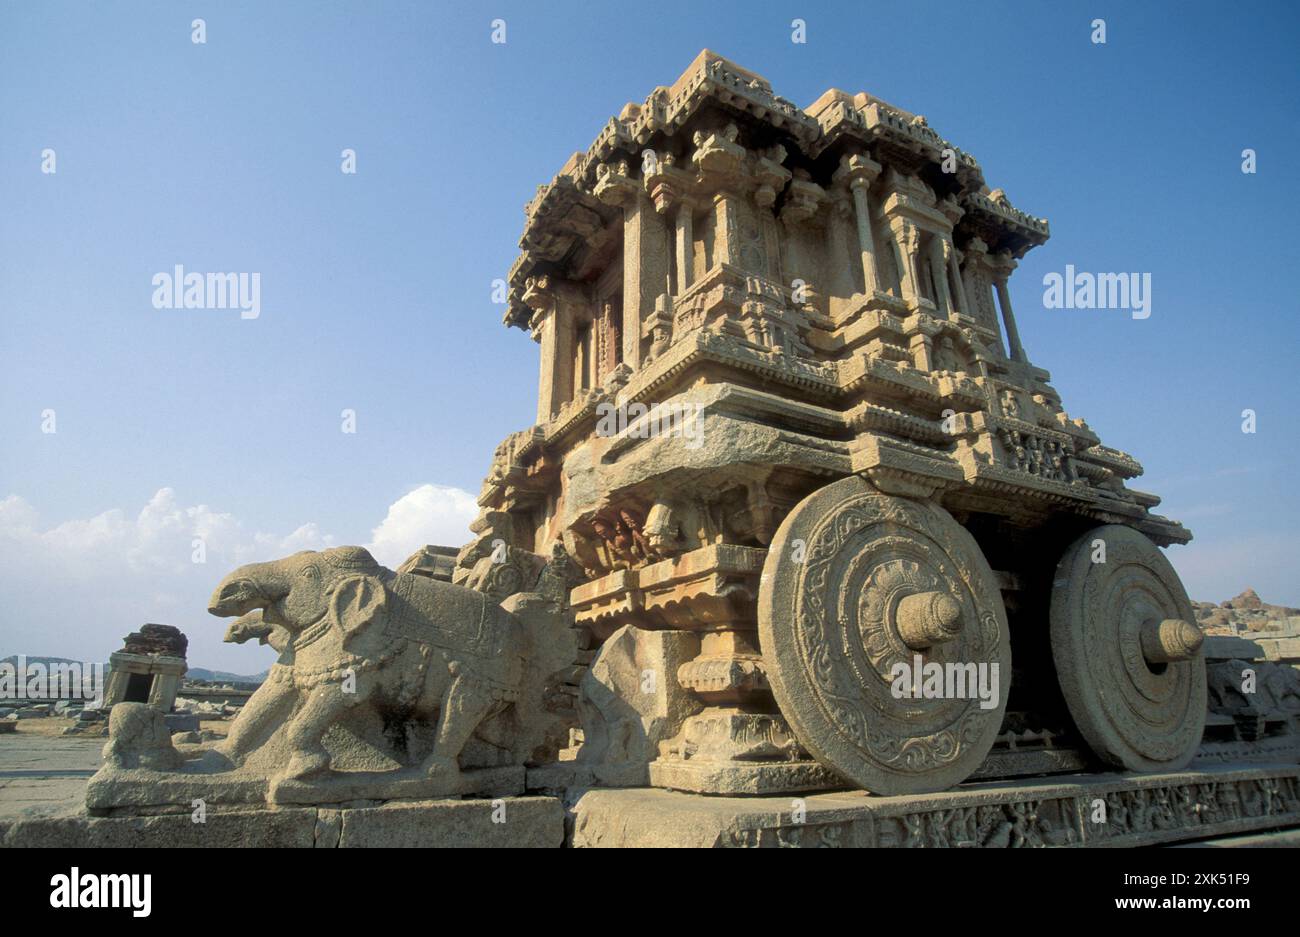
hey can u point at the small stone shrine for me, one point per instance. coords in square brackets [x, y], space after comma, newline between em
[148, 669]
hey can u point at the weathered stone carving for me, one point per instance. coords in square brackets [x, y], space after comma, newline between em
[1254, 695]
[252, 626]
[827, 290]
[148, 669]
[857, 585]
[1252, 655]
[432, 561]
[388, 685]
[408, 644]
[1127, 651]
[630, 702]
[161, 640]
[1107, 811]
[504, 571]
[138, 738]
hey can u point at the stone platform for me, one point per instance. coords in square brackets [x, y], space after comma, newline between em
[145, 788]
[509, 822]
[1094, 810]
[43, 786]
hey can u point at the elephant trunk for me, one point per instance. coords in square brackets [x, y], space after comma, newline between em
[250, 587]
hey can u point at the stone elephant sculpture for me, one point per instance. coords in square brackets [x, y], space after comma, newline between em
[352, 633]
[254, 626]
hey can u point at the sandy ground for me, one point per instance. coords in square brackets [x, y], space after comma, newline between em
[47, 727]
[43, 772]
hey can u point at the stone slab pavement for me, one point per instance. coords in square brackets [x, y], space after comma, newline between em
[44, 775]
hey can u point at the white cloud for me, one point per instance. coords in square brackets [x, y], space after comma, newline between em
[306, 537]
[76, 588]
[429, 514]
[17, 514]
[161, 538]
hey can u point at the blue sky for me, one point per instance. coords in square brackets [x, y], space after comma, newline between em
[376, 286]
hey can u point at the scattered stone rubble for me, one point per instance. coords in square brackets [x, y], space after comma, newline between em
[156, 641]
[1275, 628]
[206, 709]
[1253, 666]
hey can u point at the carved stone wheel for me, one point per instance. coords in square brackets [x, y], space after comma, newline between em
[1128, 652]
[855, 583]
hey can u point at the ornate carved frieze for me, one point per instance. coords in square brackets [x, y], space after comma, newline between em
[1107, 815]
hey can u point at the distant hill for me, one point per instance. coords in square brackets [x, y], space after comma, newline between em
[194, 673]
[221, 676]
[12, 660]
[1246, 613]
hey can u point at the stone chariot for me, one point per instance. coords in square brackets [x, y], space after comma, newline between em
[786, 425]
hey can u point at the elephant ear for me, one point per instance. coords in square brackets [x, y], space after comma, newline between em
[357, 604]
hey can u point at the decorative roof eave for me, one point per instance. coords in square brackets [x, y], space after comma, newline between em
[563, 207]
[895, 134]
[710, 79]
[1121, 463]
[563, 218]
[991, 217]
[566, 215]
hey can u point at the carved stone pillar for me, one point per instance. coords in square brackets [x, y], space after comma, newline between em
[1005, 265]
[921, 347]
[939, 274]
[771, 179]
[953, 269]
[685, 245]
[608, 327]
[977, 273]
[645, 270]
[908, 238]
[728, 209]
[803, 199]
[839, 272]
[953, 211]
[860, 172]
[862, 206]
[646, 252]
[167, 674]
[659, 328]
[555, 334]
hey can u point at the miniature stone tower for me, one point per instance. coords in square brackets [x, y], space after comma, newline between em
[148, 669]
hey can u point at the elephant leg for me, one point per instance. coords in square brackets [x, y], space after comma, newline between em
[464, 706]
[306, 733]
[265, 708]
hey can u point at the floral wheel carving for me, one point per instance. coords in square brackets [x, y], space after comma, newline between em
[855, 583]
[1135, 712]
